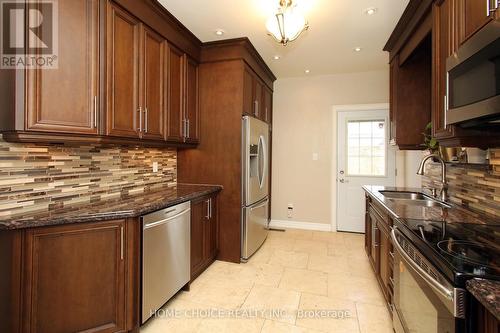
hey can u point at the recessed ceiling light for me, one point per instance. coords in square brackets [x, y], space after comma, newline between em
[371, 11]
[277, 57]
[357, 49]
[307, 71]
[219, 32]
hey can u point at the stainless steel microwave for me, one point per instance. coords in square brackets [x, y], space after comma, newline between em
[473, 80]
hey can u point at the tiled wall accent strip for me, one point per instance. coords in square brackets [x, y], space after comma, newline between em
[35, 177]
[477, 188]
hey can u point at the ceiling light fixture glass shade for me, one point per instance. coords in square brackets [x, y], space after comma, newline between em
[287, 24]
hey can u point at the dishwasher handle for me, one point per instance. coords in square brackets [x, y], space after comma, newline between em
[164, 221]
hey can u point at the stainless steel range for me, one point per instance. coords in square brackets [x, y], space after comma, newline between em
[433, 260]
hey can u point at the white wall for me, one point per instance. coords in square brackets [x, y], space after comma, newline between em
[303, 125]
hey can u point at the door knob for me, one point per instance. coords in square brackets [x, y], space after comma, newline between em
[342, 180]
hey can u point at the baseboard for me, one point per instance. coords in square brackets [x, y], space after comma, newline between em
[287, 224]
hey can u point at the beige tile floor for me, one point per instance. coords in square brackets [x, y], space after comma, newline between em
[299, 281]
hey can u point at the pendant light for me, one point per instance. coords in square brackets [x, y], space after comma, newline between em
[287, 24]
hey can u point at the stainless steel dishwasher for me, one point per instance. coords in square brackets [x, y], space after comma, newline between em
[166, 252]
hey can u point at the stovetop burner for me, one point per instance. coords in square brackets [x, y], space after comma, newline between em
[470, 252]
[460, 250]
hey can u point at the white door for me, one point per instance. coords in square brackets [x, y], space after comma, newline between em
[364, 157]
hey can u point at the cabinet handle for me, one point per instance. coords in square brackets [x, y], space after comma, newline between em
[447, 100]
[256, 108]
[490, 10]
[121, 243]
[188, 128]
[145, 120]
[208, 210]
[140, 119]
[210, 205]
[95, 111]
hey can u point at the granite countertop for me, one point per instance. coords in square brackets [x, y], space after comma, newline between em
[400, 210]
[487, 292]
[124, 207]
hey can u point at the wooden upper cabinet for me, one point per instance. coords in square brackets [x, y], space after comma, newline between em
[153, 87]
[175, 119]
[393, 102]
[248, 101]
[257, 97]
[444, 25]
[267, 106]
[74, 278]
[191, 112]
[122, 73]
[66, 99]
[475, 14]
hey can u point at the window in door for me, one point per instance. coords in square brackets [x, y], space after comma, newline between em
[366, 148]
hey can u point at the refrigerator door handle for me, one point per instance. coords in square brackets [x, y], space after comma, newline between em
[262, 160]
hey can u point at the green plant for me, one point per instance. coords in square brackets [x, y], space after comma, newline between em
[430, 142]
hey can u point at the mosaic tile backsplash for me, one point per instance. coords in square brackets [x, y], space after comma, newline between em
[36, 177]
[475, 187]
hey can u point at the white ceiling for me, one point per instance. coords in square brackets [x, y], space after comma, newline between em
[336, 28]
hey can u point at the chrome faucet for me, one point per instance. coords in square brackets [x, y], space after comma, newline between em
[444, 183]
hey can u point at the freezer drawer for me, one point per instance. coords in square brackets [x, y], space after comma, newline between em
[254, 227]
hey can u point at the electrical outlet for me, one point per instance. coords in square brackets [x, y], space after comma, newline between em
[290, 211]
[315, 156]
[155, 166]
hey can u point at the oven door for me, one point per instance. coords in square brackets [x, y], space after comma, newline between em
[424, 301]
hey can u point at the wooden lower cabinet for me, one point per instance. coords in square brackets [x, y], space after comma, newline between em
[204, 231]
[379, 247]
[72, 278]
[482, 320]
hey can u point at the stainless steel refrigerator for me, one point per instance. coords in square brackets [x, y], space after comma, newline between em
[255, 195]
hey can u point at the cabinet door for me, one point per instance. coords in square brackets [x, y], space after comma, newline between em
[385, 249]
[199, 213]
[192, 114]
[443, 47]
[122, 73]
[267, 106]
[375, 243]
[257, 98]
[475, 15]
[393, 106]
[175, 75]
[248, 101]
[75, 278]
[55, 100]
[368, 228]
[153, 85]
[211, 230]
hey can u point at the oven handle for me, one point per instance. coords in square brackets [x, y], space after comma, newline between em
[445, 292]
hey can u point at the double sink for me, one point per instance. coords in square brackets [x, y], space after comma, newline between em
[414, 198]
